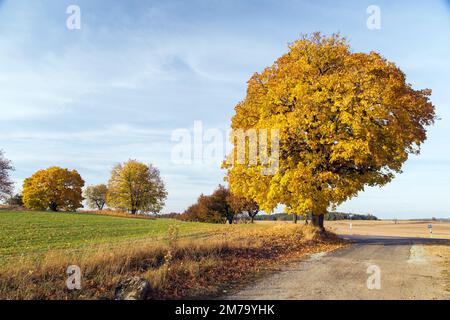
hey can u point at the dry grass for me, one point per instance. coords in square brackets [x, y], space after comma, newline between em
[403, 228]
[441, 255]
[175, 269]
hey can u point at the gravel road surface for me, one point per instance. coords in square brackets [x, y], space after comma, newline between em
[406, 272]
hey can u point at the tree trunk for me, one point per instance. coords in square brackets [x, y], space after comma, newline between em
[317, 221]
[252, 216]
[100, 205]
[295, 218]
[53, 206]
[133, 211]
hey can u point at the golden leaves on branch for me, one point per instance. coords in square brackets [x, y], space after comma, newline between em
[53, 188]
[345, 120]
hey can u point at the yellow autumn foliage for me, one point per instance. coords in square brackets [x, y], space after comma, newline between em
[346, 120]
[136, 187]
[53, 188]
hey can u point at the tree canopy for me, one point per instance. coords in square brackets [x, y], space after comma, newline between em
[15, 201]
[96, 196]
[243, 205]
[6, 185]
[345, 119]
[201, 211]
[53, 188]
[214, 208]
[136, 186]
[220, 203]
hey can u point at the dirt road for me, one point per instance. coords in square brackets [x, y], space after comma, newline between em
[406, 272]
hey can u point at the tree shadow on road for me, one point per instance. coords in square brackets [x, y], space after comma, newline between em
[394, 241]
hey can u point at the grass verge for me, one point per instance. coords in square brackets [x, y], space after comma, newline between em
[177, 268]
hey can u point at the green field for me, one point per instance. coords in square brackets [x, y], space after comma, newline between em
[29, 233]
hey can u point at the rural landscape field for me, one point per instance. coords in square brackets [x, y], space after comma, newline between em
[224, 159]
[181, 259]
[198, 260]
[392, 228]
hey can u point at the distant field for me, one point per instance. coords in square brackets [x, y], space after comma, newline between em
[416, 229]
[27, 233]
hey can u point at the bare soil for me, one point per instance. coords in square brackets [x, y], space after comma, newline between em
[415, 229]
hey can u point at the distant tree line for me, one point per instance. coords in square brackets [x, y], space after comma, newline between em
[345, 216]
[330, 216]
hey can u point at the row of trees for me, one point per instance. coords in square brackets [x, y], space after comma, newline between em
[133, 186]
[221, 206]
[331, 216]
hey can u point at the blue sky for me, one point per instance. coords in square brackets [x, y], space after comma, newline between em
[137, 70]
